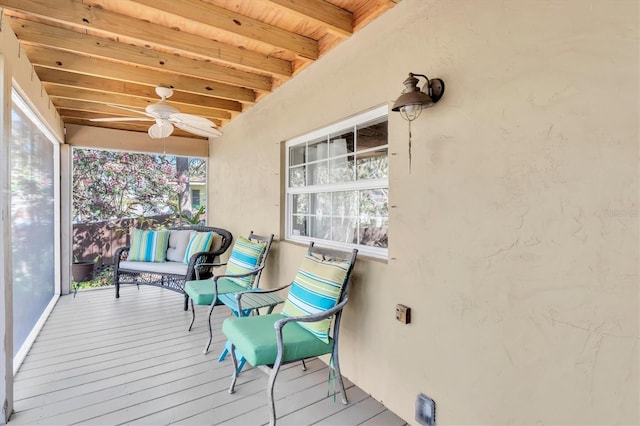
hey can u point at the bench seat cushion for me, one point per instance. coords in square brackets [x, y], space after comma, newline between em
[255, 338]
[176, 268]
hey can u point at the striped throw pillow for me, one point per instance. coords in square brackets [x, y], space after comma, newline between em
[199, 241]
[246, 255]
[148, 246]
[316, 288]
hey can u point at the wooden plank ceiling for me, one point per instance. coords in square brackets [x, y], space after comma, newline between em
[219, 56]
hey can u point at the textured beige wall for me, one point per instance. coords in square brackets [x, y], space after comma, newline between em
[514, 236]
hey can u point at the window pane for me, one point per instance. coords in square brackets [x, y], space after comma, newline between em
[318, 173]
[344, 203]
[374, 204]
[341, 169]
[374, 233]
[321, 204]
[299, 226]
[300, 203]
[372, 134]
[321, 227]
[297, 155]
[297, 177]
[373, 164]
[32, 223]
[341, 144]
[318, 150]
[344, 230]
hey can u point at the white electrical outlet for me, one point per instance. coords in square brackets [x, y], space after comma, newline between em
[425, 410]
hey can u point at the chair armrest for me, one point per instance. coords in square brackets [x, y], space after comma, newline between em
[196, 268]
[309, 318]
[246, 274]
[214, 264]
[203, 258]
[238, 295]
[306, 318]
[217, 277]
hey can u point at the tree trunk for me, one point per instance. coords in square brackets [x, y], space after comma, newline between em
[184, 199]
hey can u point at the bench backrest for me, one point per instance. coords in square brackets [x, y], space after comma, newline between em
[211, 256]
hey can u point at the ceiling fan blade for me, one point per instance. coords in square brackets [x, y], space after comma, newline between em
[137, 111]
[195, 124]
[110, 119]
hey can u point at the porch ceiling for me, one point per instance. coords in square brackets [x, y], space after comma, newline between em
[220, 56]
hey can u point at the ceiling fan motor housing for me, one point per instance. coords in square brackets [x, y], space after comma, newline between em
[161, 110]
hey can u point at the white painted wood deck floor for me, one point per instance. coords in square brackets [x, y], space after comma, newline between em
[106, 361]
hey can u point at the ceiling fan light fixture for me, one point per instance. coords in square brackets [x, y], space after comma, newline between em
[162, 129]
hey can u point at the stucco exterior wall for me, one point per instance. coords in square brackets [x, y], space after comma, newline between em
[514, 235]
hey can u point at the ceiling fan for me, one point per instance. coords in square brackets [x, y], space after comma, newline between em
[166, 116]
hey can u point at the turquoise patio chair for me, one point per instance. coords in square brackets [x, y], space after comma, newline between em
[303, 329]
[244, 268]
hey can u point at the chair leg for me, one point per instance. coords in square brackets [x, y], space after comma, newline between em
[235, 369]
[336, 369]
[304, 366]
[193, 315]
[206, 349]
[272, 382]
[186, 302]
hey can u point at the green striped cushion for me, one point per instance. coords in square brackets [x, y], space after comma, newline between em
[245, 257]
[148, 246]
[199, 241]
[316, 288]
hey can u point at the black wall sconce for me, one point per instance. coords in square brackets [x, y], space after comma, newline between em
[413, 99]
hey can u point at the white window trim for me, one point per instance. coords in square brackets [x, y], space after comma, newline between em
[367, 116]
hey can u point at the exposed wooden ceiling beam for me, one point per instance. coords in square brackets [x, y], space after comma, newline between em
[143, 91]
[374, 9]
[60, 38]
[83, 16]
[338, 21]
[237, 24]
[59, 59]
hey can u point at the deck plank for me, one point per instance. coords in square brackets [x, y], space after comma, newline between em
[100, 360]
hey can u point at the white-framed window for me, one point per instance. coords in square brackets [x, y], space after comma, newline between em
[337, 184]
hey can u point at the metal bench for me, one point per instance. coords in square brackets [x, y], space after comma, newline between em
[170, 275]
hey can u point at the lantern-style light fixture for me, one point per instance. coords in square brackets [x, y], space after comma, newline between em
[413, 100]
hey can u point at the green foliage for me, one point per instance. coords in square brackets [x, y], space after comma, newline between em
[109, 184]
[102, 279]
[194, 219]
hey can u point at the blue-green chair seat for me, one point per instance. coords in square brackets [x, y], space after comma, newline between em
[255, 339]
[201, 291]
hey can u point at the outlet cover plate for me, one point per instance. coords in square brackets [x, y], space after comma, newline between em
[425, 410]
[403, 314]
